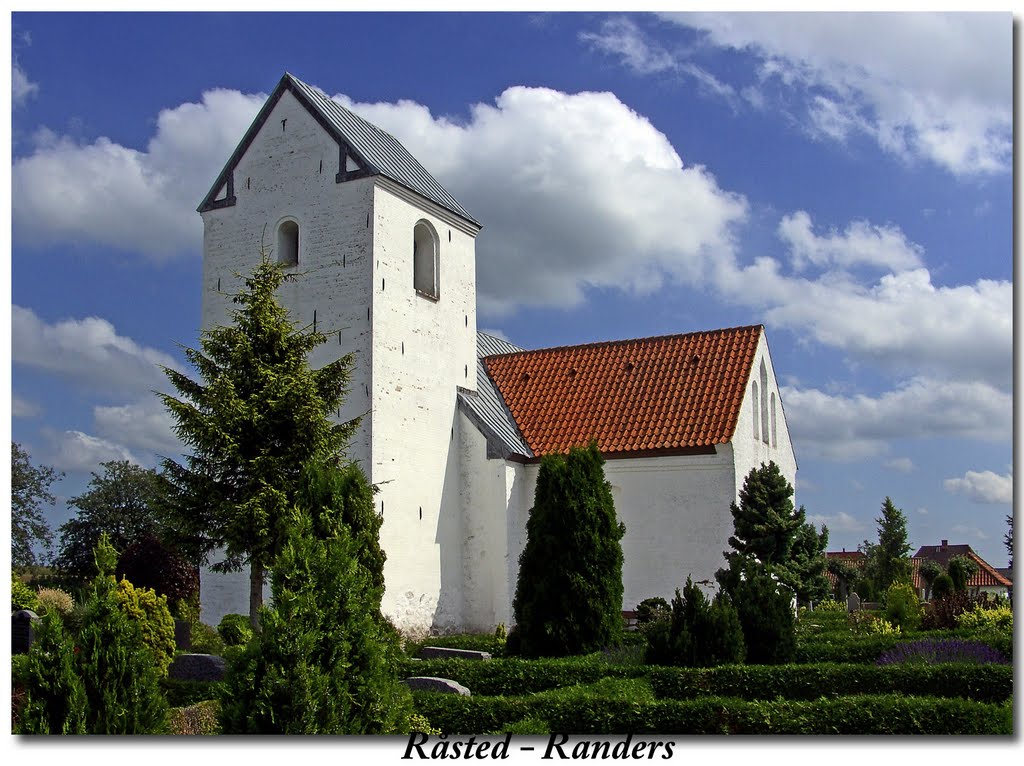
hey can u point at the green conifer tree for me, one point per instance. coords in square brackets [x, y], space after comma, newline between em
[324, 661]
[257, 417]
[55, 700]
[569, 591]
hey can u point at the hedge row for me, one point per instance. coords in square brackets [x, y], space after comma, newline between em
[512, 675]
[982, 683]
[866, 714]
[181, 693]
[868, 648]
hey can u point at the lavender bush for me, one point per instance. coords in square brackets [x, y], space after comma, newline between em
[930, 651]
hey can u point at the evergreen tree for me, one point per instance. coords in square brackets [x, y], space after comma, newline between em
[888, 560]
[54, 694]
[258, 415]
[30, 489]
[804, 571]
[765, 607]
[961, 569]
[324, 662]
[765, 523]
[1008, 541]
[125, 502]
[569, 592]
[929, 571]
[699, 633]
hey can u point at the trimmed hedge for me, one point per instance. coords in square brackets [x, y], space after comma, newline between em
[181, 693]
[513, 675]
[479, 642]
[981, 683]
[868, 648]
[863, 714]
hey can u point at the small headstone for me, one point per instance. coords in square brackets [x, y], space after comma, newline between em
[22, 630]
[197, 667]
[183, 634]
[853, 603]
[430, 684]
[444, 653]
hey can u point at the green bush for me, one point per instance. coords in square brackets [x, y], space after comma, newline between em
[513, 675]
[148, 563]
[201, 718]
[182, 693]
[942, 586]
[902, 607]
[859, 714]
[765, 609]
[205, 639]
[235, 629]
[982, 683]
[154, 619]
[960, 569]
[22, 596]
[55, 600]
[980, 618]
[122, 682]
[478, 642]
[574, 607]
[54, 699]
[699, 633]
[324, 659]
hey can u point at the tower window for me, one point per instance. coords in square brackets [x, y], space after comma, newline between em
[764, 402]
[425, 260]
[288, 243]
[774, 441]
[753, 404]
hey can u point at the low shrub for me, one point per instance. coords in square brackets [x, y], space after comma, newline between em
[478, 642]
[55, 600]
[420, 725]
[182, 693]
[942, 586]
[199, 719]
[698, 633]
[512, 675]
[980, 618]
[235, 629]
[942, 613]
[861, 714]
[935, 651]
[206, 639]
[830, 605]
[982, 683]
[766, 615]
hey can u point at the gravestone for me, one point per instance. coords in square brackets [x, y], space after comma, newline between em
[197, 667]
[853, 603]
[23, 630]
[182, 634]
[444, 653]
[431, 684]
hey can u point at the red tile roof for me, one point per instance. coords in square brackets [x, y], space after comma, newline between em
[986, 576]
[647, 395]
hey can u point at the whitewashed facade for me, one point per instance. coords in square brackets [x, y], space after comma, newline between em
[346, 206]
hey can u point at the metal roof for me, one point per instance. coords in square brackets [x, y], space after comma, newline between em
[487, 407]
[379, 151]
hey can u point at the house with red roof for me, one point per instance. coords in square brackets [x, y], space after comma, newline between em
[454, 422]
[987, 579]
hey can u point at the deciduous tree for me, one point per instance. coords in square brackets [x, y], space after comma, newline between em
[30, 490]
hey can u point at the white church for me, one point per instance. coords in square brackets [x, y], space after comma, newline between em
[454, 421]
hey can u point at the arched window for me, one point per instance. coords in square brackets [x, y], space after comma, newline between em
[764, 402]
[424, 260]
[753, 401]
[288, 243]
[774, 442]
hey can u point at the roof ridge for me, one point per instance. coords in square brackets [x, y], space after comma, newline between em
[621, 341]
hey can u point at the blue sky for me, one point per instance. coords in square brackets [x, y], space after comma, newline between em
[843, 179]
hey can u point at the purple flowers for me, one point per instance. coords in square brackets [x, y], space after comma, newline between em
[930, 651]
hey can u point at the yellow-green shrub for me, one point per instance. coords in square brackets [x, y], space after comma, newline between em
[979, 618]
[903, 607]
[830, 606]
[154, 618]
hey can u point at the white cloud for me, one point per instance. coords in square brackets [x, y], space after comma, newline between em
[932, 86]
[144, 425]
[982, 487]
[854, 427]
[21, 87]
[840, 522]
[900, 464]
[136, 200]
[74, 451]
[22, 408]
[86, 351]
[861, 243]
[621, 37]
[576, 190]
[903, 322]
